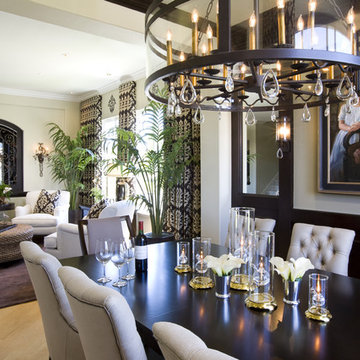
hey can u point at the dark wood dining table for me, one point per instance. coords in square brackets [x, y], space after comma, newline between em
[228, 325]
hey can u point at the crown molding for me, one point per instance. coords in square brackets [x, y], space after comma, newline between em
[74, 98]
[38, 94]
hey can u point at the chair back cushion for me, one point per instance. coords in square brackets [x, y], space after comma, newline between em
[327, 248]
[264, 224]
[106, 229]
[119, 208]
[32, 197]
[106, 323]
[178, 343]
[61, 334]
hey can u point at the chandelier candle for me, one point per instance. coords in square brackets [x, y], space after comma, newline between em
[141, 251]
[252, 37]
[182, 79]
[169, 55]
[281, 21]
[351, 29]
[195, 31]
[311, 19]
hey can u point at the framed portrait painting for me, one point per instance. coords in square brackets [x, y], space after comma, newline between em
[339, 150]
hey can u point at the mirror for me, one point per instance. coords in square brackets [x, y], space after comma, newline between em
[11, 156]
[260, 164]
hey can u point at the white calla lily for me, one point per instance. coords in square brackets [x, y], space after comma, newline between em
[291, 270]
[223, 265]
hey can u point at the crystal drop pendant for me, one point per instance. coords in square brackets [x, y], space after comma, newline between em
[188, 93]
[170, 110]
[279, 153]
[319, 87]
[250, 118]
[306, 116]
[273, 114]
[327, 110]
[354, 100]
[199, 117]
[229, 83]
[344, 83]
[178, 109]
[274, 90]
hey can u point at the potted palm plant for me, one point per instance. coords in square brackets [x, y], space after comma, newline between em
[155, 169]
[68, 161]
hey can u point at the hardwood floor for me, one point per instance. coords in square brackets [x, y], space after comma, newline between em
[21, 333]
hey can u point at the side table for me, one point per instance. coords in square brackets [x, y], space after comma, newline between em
[10, 239]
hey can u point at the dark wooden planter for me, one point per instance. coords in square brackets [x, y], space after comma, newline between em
[165, 236]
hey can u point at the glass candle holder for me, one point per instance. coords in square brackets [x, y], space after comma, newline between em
[183, 257]
[262, 272]
[201, 279]
[318, 298]
[242, 226]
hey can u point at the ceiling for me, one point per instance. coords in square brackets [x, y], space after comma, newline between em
[40, 58]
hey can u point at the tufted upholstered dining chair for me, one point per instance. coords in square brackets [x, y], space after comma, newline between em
[178, 343]
[105, 321]
[327, 248]
[61, 334]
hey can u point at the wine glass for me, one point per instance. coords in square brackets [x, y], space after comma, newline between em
[118, 259]
[103, 255]
[129, 245]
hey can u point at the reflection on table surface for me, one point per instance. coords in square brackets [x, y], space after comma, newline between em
[228, 325]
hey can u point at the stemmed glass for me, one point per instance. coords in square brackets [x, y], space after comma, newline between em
[103, 255]
[118, 259]
[129, 245]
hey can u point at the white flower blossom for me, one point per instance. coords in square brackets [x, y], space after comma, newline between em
[291, 270]
[223, 265]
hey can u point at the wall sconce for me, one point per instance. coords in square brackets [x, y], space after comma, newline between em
[283, 136]
[41, 153]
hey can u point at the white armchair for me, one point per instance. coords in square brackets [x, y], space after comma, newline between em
[43, 224]
[65, 242]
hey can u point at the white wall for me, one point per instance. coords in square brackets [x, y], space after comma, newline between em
[306, 195]
[215, 176]
[32, 115]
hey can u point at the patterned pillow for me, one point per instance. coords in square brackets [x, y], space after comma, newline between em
[47, 202]
[97, 208]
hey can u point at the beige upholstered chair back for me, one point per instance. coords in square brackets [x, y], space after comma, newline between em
[327, 248]
[178, 343]
[62, 338]
[112, 228]
[264, 224]
[106, 324]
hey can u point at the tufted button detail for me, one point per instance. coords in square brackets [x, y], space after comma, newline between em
[322, 262]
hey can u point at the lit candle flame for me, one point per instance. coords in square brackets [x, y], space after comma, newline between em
[209, 32]
[243, 69]
[280, 4]
[318, 287]
[182, 56]
[350, 16]
[300, 23]
[312, 5]
[252, 20]
[194, 16]
[169, 35]
[278, 66]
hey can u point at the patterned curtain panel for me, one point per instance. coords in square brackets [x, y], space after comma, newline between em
[183, 213]
[91, 115]
[127, 106]
[127, 116]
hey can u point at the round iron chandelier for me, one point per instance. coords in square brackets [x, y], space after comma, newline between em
[252, 55]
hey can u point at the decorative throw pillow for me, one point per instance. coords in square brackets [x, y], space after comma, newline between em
[47, 202]
[97, 208]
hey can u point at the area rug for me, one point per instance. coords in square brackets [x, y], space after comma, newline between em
[15, 284]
